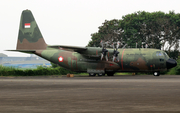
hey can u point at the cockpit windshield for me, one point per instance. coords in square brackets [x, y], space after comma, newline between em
[159, 53]
[166, 56]
[162, 54]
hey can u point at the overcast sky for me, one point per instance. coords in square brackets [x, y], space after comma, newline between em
[70, 22]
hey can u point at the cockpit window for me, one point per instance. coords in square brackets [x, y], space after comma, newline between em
[166, 56]
[159, 53]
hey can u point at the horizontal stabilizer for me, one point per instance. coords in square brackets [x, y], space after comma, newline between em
[24, 51]
[71, 48]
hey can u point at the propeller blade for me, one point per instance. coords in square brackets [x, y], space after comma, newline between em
[106, 58]
[117, 45]
[124, 46]
[117, 59]
[116, 53]
[101, 43]
[113, 45]
[104, 51]
[114, 58]
[101, 56]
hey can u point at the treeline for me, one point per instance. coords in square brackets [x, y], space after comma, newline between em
[10, 71]
[157, 29]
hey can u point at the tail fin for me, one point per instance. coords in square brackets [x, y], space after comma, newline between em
[30, 37]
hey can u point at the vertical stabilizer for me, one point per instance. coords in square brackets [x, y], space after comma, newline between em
[29, 37]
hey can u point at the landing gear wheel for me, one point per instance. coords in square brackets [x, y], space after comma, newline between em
[110, 74]
[92, 74]
[156, 73]
[101, 74]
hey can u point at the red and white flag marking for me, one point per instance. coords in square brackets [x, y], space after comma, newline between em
[27, 25]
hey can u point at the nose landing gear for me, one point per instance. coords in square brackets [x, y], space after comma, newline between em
[156, 73]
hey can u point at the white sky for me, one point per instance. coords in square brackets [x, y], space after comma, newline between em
[70, 22]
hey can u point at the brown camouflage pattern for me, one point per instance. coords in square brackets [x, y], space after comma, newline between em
[87, 59]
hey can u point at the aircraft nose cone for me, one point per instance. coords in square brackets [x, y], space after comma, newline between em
[170, 63]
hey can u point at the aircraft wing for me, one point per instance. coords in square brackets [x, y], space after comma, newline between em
[76, 49]
[70, 48]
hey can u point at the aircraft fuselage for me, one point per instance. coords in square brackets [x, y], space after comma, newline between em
[130, 60]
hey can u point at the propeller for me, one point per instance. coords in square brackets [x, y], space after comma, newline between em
[116, 52]
[104, 51]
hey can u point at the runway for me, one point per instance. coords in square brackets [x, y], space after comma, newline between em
[125, 94]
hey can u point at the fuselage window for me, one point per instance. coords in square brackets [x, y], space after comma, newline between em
[162, 60]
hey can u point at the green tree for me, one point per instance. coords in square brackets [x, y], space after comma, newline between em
[54, 65]
[157, 29]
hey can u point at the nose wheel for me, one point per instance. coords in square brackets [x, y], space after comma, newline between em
[156, 73]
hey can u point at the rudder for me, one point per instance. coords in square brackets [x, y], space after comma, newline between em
[29, 37]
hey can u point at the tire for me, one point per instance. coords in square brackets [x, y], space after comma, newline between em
[101, 74]
[92, 74]
[156, 73]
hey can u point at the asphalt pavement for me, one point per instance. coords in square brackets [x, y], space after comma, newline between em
[83, 94]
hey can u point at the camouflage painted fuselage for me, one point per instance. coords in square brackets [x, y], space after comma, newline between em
[87, 59]
[131, 60]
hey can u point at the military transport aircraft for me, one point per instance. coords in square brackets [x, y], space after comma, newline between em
[93, 60]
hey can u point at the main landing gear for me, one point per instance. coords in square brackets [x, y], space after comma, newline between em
[101, 74]
[92, 74]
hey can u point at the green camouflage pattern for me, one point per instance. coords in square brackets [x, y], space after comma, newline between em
[135, 60]
[87, 59]
[29, 38]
